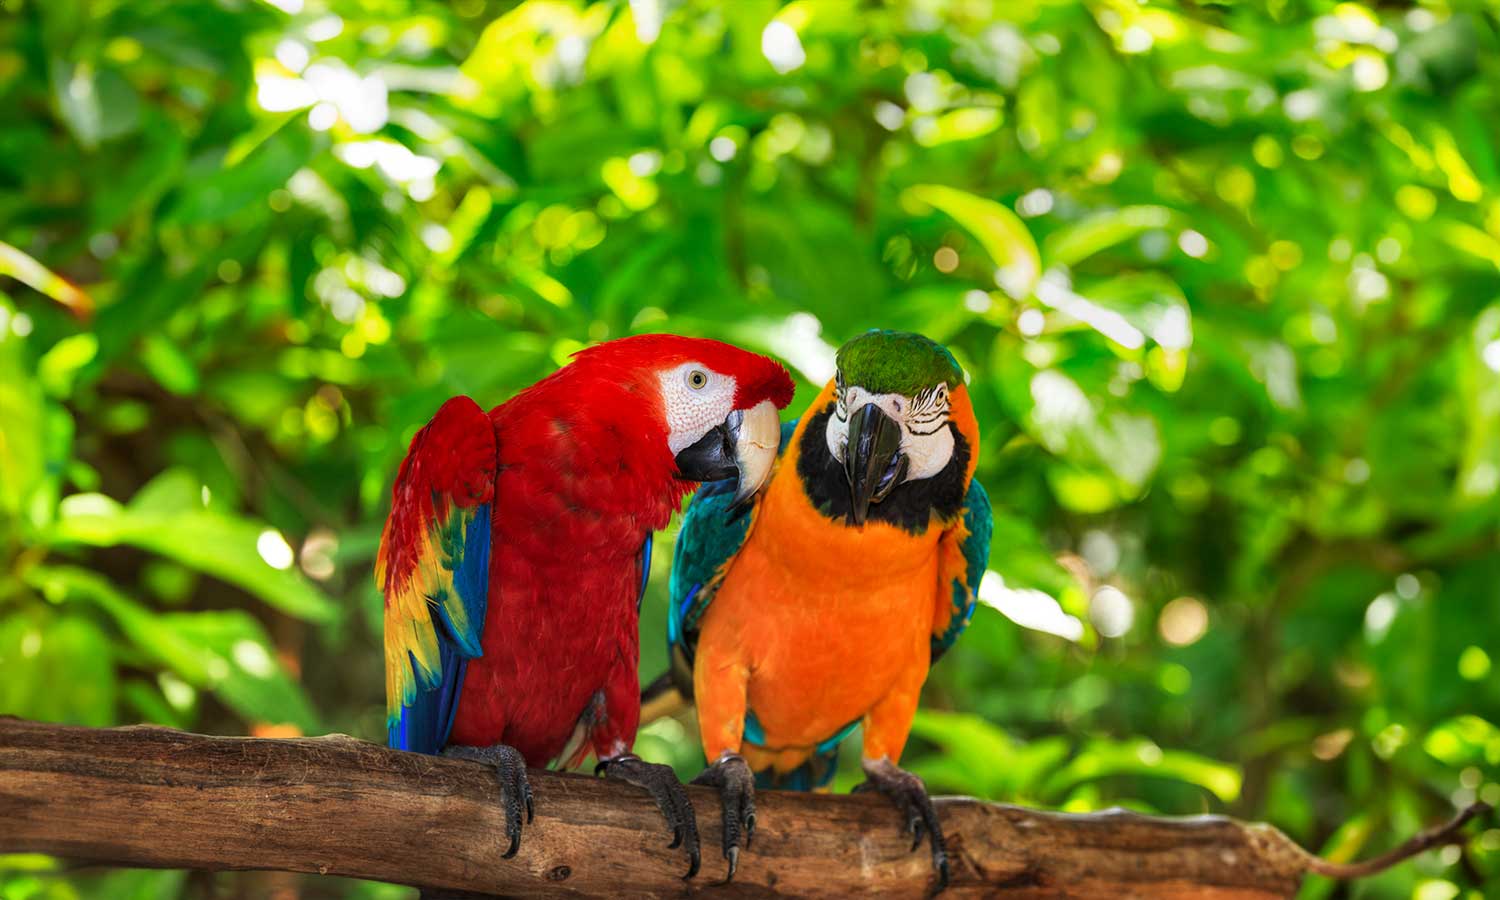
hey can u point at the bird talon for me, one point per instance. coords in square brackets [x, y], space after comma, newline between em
[509, 768]
[671, 799]
[736, 785]
[909, 795]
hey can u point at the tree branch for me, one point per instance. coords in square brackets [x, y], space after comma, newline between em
[147, 796]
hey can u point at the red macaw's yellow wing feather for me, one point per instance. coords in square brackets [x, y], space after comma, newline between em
[433, 567]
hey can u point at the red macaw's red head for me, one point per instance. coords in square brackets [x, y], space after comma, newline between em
[715, 403]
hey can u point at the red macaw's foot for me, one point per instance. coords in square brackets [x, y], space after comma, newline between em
[515, 790]
[910, 796]
[667, 791]
[736, 784]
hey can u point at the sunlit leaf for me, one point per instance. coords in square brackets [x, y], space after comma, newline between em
[211, 541]
[1102, 759]
[226, 653]
[999, 230]
[1074, 243]
[58, 668]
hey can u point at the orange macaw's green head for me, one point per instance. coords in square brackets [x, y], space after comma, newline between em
[899, 441]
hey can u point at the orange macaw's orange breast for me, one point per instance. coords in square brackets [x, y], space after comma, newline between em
[828, 616]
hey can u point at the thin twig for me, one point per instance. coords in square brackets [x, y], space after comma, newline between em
[1440, 836]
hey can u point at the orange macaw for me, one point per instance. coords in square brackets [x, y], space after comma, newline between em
[823, 605]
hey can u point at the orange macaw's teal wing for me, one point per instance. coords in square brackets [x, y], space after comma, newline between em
[434, 569]
[711, 534]
[963, 567]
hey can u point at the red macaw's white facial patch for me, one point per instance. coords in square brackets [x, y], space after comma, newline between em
[695, 399]
[926, 439]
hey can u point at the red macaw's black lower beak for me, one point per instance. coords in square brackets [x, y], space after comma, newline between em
[743, 446]
[712, 457]
[873, 460]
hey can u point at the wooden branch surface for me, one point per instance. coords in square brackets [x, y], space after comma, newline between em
[154, 797]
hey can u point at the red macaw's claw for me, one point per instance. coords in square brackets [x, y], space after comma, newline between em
[661, 782]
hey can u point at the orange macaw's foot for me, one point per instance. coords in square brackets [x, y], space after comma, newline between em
[910, 796]
[736, 784]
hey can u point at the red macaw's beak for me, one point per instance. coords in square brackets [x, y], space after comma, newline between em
[743, 446]
[873, 462]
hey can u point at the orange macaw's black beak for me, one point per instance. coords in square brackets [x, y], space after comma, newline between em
[873, 462]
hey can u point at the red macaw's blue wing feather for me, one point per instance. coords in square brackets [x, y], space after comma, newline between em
[434, 569]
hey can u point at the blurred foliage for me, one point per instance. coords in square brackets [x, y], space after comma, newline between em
[1225, 277]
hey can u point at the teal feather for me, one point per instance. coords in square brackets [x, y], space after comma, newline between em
[712, 533]
[979, 520]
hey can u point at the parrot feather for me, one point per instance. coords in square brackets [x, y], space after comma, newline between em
[712, 533]
[972, 537]
[433, 567]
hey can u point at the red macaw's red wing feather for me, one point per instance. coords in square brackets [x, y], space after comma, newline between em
[433, 567]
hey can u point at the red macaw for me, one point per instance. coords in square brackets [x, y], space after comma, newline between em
[518, 546]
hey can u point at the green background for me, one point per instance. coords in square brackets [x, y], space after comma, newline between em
[1225, 278]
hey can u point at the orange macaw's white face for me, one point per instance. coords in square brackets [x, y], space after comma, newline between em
[926, 441]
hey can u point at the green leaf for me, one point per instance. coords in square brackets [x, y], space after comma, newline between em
[227, 653]
[1073, 243]
[96, 104]
[136, 884]
[36, 439]
[226, 191]
[58, 668]
[1105, 758]
[169, 365]
[242, 667]
[59, 365]
[156, 166]
[1472, 241]
[974, 750]
[1001, 232]
[1463, 741]
[213, 542]
[958, 125]
[22, 412]
[1018, 552]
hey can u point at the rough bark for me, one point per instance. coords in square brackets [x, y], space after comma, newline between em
[155, 797]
